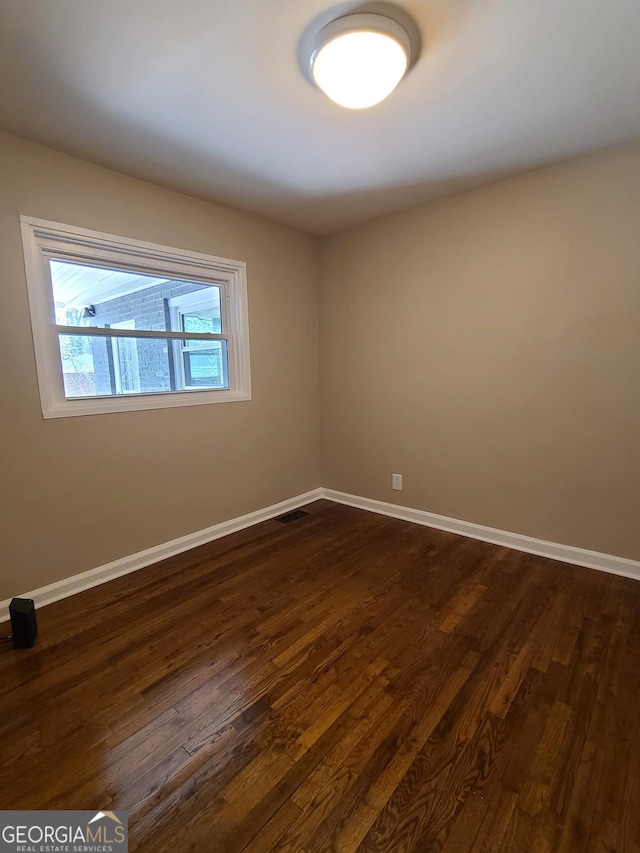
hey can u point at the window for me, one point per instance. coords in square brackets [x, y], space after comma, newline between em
[196, 363]
[121, 325]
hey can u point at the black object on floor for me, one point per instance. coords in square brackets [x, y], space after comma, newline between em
[24, 625]
[294, 515]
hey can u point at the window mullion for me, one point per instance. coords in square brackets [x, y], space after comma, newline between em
[101, 332]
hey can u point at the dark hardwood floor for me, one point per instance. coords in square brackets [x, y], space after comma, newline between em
[344, 682]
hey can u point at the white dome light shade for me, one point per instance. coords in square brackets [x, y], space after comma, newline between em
[360, 69]
[358, 60]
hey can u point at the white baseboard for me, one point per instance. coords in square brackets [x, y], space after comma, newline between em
[102, 574]
[553, 550]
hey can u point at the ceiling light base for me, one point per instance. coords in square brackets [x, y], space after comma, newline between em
[358, 58]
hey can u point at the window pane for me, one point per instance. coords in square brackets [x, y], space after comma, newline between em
[78, 366]
[97, 366]
[87, 295]
[205, 368]
[207, 320]
[126, 365]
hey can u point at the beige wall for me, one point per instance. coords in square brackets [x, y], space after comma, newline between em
[487, 347]
[79, 492]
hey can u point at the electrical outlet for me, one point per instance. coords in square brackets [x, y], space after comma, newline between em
[396, 482]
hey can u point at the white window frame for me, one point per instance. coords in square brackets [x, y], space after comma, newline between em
[44, 240]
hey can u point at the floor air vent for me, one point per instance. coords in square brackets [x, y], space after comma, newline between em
[292, 516]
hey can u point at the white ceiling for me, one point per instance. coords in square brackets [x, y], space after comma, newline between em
[206, 96]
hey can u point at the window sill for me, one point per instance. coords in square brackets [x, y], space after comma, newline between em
[140, 402]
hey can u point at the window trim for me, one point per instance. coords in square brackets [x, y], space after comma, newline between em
[43, 239]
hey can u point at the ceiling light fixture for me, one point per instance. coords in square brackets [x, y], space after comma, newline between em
[359, 59]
